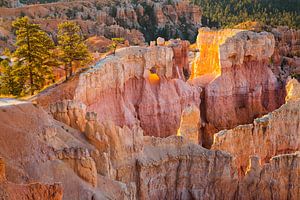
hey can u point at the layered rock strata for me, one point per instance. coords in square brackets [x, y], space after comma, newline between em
[273, 134]
[48, 152]
[81, 162]
[137, 86]
[190, 124]
[173, 169]
[239, 85]
[12, 191]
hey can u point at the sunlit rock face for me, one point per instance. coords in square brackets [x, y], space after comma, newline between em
[293, 90]
[207, 63]
[239, 86]
[137, 85]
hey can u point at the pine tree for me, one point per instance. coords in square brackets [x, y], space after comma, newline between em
[71, 46]
[7, 81]
[33, 52]
[115, 43]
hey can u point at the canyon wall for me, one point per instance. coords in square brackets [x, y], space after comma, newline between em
[239, 85]
[137, 86]
[125, 101]
[273, 134]
[177, 168]
[49, 152]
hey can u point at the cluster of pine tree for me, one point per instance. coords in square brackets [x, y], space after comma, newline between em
[30, 67]
[227, 13]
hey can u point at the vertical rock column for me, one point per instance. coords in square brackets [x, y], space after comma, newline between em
[2, 170]
[189, 124]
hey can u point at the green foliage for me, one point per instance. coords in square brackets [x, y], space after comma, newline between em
[8, 84]
[32, 54]
[296, 76]
[227, 13]
[71, 46]
[115, 43]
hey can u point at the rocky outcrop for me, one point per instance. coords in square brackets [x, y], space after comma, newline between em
[279, 179]
[190, 124]
[71, 113]
[285, 59]
[239, 85]
[181, 60]
[275, 133]
[175, 169]
[292, 90]
[137, 86]
[81, 162]
[48, 152]
[128, 165]
[11, 191]
[2, 170]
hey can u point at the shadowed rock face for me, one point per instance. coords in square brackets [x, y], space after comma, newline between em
[285, 59]
[275, 133]
[191, 172]
[239, 85]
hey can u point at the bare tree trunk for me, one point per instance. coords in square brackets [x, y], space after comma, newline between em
[31, 82]
[70, 67]
[66, 72]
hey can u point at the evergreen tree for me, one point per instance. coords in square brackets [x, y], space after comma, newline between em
[33, 53]
[115, 43]
[7, 81]
[71, 46]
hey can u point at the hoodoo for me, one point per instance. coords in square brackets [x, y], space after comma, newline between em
[239, 86]
[87, 115]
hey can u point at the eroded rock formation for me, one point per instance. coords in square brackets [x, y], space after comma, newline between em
[279, 179]
[81, 162]
[273, 134]
[101, 140]
[11, 191]
[183, 171]
[285, 59]
[71, 113]
[136, 22]
[137, 86]
[190, 124]
[239, 85]
[48, 152]
[2, 170]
